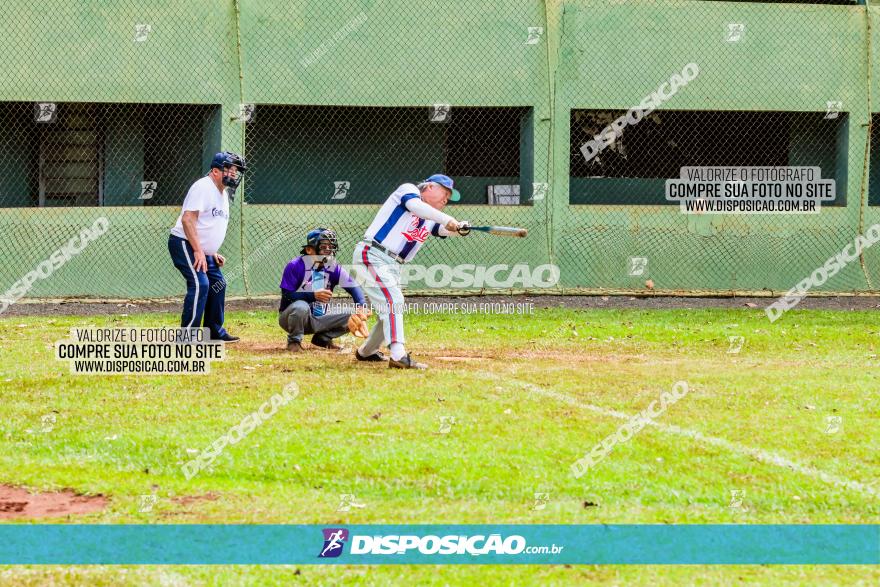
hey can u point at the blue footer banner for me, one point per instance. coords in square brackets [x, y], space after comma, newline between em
[198, 544]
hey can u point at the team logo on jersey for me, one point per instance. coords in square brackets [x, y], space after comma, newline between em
[334, 540]
[219, 212]
[415, 232]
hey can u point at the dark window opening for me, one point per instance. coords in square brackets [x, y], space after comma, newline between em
[484, 142]
[89, 154]
[633, 168]
[69, 158]
[874, 163]
[359, 155]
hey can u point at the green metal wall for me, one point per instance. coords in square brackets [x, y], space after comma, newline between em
[793, 57]
[598, 54]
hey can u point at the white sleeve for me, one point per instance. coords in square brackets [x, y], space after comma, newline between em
[195, 199]
[423, 210]
[441, 230]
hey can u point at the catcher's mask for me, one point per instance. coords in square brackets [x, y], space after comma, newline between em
[325, 245]
[223, 161]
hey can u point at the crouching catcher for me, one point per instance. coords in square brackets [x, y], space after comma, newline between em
[306, 288]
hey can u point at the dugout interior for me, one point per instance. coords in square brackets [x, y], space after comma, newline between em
[358, 155]
[100, 154]
[634, 168]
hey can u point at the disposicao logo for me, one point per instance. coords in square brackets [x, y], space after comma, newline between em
[472, 545]
[334, 540]
[476, 545]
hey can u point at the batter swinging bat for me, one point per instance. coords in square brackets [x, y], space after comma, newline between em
[496, 230]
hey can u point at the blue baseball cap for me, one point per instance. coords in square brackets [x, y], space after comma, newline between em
[446, 182]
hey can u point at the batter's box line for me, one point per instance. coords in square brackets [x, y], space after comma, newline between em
[761, 455]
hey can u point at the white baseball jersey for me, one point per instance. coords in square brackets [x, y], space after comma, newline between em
[399, 230]
[213, 208]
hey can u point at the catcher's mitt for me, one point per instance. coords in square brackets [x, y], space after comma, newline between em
[357, 323]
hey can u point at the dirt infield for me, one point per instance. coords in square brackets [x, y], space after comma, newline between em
[16, 502]
[647, 302]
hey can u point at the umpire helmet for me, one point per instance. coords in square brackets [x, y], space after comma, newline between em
[226, 159]
[315, 236]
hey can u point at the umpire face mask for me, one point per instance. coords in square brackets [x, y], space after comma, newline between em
[231, 178]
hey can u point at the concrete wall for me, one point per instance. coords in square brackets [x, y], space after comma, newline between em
[592, 54]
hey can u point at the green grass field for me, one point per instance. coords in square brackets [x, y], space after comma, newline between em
[527, 395]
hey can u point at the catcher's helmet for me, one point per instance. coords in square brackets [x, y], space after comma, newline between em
[225, 160]
[315, 236]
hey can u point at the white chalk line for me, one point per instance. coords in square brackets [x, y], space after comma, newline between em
[758, 454]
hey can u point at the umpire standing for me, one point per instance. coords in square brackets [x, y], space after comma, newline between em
[195, 241]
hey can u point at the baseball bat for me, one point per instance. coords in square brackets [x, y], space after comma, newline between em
[497, 230]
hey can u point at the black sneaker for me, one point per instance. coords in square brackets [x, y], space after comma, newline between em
[228, 338]
[295, 347]
[326, 344]
[406, 363]
[376, 357]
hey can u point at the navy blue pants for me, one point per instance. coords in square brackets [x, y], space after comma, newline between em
[205, 290]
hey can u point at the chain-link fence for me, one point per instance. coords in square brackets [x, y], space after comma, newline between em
[563, 117]
[759, 84]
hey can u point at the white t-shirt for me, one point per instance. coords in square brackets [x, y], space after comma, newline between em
[399, 230]
[213, 208]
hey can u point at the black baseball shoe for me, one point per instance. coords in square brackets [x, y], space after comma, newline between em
[295, 347]
[406, 362]
[326, 344]
[377, 357]
[228, 338]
